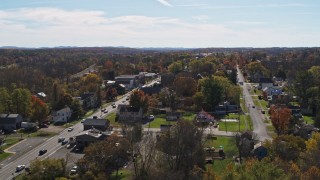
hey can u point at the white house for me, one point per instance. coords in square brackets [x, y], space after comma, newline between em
[63, 115]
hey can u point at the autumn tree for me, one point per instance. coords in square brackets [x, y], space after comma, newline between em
[139, 99]
[254, 169]
[104, 157]
[39, 110]
[111, 93]
[46, 169]
[311, 157]
[280, 118]
[185, 86]
[287, 147]
[182, 148]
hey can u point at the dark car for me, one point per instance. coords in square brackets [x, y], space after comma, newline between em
[64, 142]
[61, 139]
[42, 151]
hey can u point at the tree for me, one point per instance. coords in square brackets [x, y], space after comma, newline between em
[4, 100]
[254, 169]
[175, 67]
[39, 110]
[77, 110]
[198, 99]
[46, 169]
[212, 90]
[139, 100]
[303, 81]
[103, 157]
[21, 101]
[185, 86]
[280, 118]
[182, 148]
[111, 93]
[286, 147]
[311, 157]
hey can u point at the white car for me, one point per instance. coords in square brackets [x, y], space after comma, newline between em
[20, 168]
[70, 129]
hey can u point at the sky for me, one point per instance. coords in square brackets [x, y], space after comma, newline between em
[160, 23]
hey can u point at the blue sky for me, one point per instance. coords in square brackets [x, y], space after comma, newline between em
[160, 23]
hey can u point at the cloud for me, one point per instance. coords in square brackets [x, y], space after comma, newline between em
[38, 27]
[248, 22]
[256, 6]
[191, 5]
[201, 18]
[165, 3]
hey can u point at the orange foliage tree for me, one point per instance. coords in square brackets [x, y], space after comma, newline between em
[280, 118]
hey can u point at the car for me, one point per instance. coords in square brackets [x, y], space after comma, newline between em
[20, 168]
[106, 111]
[61, 139]
[70, 129]
[253, 106]
[151, 117]
[127, 98]
[64, 142]
[42, 151]
[74, 170]
[114, 106]
[82, 121]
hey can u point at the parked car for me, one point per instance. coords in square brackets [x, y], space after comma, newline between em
[20, 168]
[42, 151]
[74, 170]
[70, 129]
[61, 139]
[82, 121]
[64, 142]
[114, 106]
[151, 117]
[127, 98]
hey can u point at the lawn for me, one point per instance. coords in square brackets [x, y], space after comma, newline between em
[112, 118]
[230, 149]
[234, 126]
[9, 142]
[42, 134]
[308, 119]
[4, 156]
[189, 116]
[158, 121]
[122, 175]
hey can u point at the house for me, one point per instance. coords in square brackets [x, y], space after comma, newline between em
[305, 130]
[89, 100]
[99, 124]
[87, 137]
[10, 122]
[265, 82]
[129, 81]
[165, 127]
[151, 90]
[129, 114]
[204, 117]
[273, 90]
[226, 108]
[259, 151]
[173, 116]
[62, 115]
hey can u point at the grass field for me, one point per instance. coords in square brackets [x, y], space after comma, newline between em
[4, 156]
[112, 118]
[42, 134]
[230, 149]
[9, 142]
[123, 174]
[234, 126]
[308, 119]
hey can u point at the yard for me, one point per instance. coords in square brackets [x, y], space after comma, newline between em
[230, 149]
[234, 126]
[112, 118]
[308, 119]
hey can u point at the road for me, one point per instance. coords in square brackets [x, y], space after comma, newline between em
[256, 116]
[7, 171]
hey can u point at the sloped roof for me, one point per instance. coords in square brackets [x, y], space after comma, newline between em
[96, 122]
